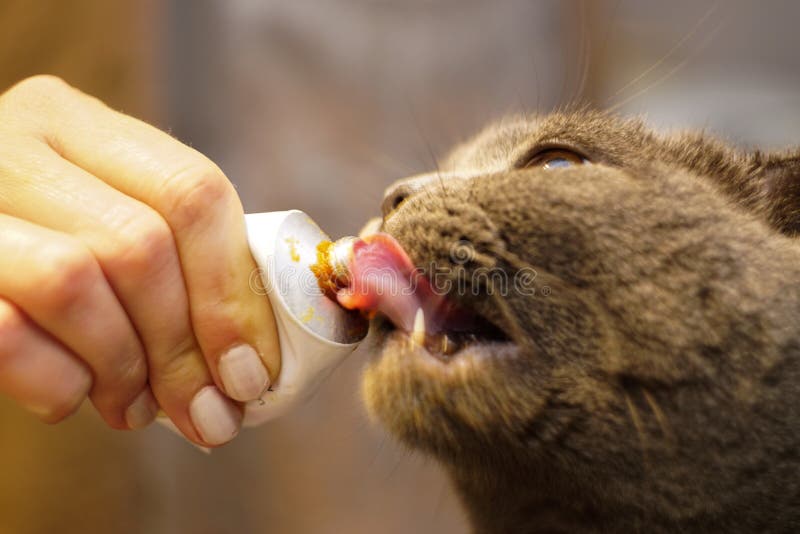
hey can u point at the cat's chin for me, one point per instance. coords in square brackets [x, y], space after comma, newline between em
[446, 353]
[428, 400]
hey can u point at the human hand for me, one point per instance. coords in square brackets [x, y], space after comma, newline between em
[124, 271]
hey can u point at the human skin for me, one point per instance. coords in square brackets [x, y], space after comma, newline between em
[124, 271]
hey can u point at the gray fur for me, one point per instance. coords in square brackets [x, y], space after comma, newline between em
[653, 380]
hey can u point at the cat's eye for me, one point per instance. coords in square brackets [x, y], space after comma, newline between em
[555, 158]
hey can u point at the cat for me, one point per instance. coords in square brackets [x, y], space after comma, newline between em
[646, 374]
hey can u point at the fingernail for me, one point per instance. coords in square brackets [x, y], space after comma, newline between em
[243, 374]
[142, 411]
[215, 417]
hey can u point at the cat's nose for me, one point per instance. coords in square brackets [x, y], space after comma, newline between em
[400, 191]
[396, 195]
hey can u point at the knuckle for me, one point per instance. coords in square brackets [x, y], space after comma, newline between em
[222, 319]
[177, 364]
[11, 325]
[117, 380]
[128, 372]
[140, 243]
[65, 274]
[194, 194]
[36, 89]
[42, 84]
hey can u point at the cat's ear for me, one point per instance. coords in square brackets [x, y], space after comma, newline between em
[781, 180]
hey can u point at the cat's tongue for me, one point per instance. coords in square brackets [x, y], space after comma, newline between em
[383, 279]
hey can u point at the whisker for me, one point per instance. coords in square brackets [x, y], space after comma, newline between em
[432, 154]
[659, 414]
[355, 181]
[671, 51]
[510, 318]
[401, 459]
[607, 34]
[535, 66]
[669, 74]
[586, 52]
[389, 163]
[423, 137]
[565, 79]
[378, 452]
[437, 509]
[513, 260]
[637, 423]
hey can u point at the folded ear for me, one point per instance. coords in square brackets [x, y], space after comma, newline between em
[781, 179]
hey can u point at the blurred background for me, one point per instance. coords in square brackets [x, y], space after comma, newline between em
[319, 105]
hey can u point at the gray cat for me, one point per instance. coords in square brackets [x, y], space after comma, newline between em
[647, 378]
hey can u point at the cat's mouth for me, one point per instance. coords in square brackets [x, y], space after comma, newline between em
[384, 283]
[446, 343]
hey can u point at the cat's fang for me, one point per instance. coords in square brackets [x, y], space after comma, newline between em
[418, 332]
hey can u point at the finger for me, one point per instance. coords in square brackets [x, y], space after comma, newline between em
[36, 371]
[56, 281]
[136, 251]
[233, 325]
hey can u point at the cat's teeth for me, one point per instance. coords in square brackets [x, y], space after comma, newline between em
[418, 333]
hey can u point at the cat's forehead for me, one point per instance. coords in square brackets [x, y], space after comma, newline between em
[500, 145]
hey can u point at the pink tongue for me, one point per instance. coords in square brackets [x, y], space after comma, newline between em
[383, 279]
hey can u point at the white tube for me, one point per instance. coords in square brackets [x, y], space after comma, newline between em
[315, 333]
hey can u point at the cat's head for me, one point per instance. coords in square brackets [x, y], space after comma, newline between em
[612, 271]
